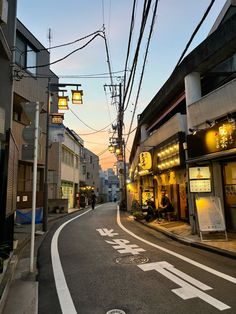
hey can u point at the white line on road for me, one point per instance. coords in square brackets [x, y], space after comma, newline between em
[186, 259]
[186, 291]
[66, 302]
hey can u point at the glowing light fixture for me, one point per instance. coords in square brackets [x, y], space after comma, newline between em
[194, 131]
[63, 102]
[77, 97]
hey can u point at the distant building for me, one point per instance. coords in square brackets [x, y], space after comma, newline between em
[110, 186]
[71, 154]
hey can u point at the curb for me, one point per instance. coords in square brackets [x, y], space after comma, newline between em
[190, 242]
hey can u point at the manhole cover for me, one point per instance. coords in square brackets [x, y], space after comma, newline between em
[132, 259]
[115, 311]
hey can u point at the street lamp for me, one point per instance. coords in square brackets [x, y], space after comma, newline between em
[62, 100]
[77, 97]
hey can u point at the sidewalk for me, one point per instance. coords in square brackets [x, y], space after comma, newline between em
[18, 287]
[181, 231]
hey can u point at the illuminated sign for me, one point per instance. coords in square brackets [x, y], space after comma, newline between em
[169, 156]
[57, 118]
[199, 173]
[219, 138]
[145, 160]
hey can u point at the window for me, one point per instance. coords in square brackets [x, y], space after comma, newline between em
[77, 162]
[67, 157]
[26, 55]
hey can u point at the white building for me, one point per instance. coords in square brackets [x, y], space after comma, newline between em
[71, 156]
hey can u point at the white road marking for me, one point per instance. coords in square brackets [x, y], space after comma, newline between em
[187, 291]
[105, 232]
[122, 246]
[66, 302]
[186, 259]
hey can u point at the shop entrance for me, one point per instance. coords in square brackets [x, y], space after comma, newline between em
[229, 174]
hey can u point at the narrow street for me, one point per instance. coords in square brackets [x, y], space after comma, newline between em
[96, 261]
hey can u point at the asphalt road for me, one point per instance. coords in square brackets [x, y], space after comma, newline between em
[94, 262]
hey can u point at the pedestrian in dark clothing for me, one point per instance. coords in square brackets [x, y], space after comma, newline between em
[164, 206]
[150, 210]
[93, 200]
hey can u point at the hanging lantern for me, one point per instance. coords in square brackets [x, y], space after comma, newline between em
[77, 97]
[63, 102]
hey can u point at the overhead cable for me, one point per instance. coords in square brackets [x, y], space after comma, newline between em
[143, 68]
[195, 31]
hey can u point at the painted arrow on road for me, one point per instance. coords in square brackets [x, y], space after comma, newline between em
[188, 288]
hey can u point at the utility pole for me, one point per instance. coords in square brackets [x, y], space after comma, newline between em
[121, 146]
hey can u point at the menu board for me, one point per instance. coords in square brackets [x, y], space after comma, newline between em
[198, 186]
[210, 215]
[199, 179]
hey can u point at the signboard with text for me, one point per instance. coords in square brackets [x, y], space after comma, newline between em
[210, 216]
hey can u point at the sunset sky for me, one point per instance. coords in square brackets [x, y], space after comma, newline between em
[69, 21]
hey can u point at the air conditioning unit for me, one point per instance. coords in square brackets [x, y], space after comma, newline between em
[3, 11]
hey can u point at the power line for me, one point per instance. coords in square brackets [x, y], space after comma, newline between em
[143, 68]
[129, 87]
[195, 31]
[129, 41]
[63, 58]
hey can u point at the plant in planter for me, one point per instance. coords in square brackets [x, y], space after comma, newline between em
[138, 214]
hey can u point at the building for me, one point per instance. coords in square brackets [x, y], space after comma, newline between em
[110, 186]
[90, 180]
[189, 127]
[7, 165]
[31, 85]
[71, 154]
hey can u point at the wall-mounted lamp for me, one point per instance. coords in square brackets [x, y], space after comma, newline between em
[118, 150]
[63, 102]
[230, 118]
[77, 97]
[210, 123]
[111, 148]
[193, 131]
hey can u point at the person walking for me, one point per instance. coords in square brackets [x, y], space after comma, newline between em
[93, 200]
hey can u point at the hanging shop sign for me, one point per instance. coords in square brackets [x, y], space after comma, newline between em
[145, 160]
[220, 137]
[57, 118]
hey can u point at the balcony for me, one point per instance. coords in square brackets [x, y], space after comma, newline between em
[214, 105]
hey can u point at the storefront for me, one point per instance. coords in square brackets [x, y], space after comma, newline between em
[67, 190]
[170, 174]
[212, 159]
[145, 175]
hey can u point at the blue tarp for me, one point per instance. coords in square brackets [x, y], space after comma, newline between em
[24, 218]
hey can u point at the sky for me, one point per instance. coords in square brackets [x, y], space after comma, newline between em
[69, 21]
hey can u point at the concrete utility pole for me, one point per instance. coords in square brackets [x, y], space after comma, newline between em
[121, 144]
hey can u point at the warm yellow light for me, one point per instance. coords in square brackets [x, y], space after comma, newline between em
[62, 102]
[111, 148]
[77, 97]
[118, 150]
